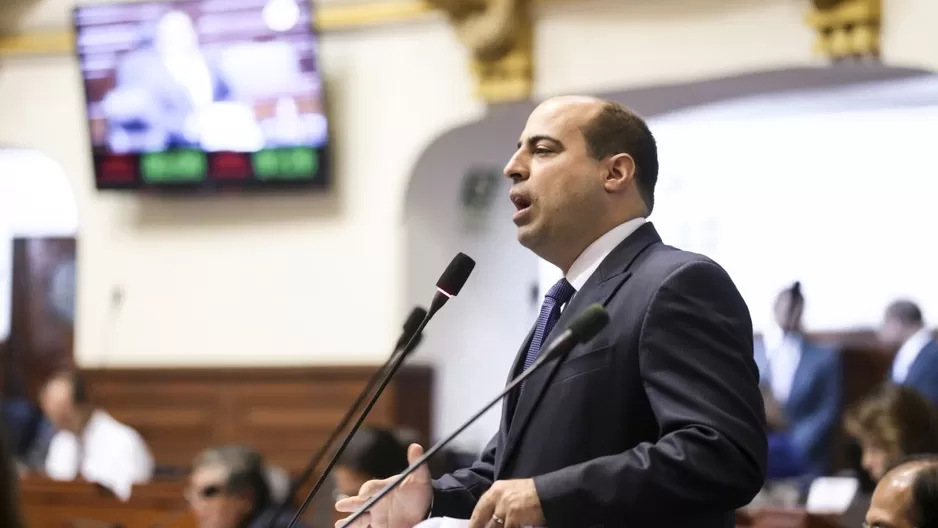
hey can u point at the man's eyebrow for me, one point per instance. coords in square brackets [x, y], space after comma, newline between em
[531, 141]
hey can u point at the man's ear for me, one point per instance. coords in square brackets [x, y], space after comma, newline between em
[620, 172]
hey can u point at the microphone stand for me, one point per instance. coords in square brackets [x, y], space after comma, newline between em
[408, 334]
[438, 301]
[583, 329]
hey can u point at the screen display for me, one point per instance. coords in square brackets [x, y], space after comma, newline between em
[205, 94]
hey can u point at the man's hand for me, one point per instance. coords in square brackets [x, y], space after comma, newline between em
[513, 502]
[404, 507]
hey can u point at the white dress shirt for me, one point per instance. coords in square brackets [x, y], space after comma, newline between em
[783, 353]
[109, 453]
[588, 262]
[908, 353]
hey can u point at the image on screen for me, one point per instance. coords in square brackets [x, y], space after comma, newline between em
[199, 90]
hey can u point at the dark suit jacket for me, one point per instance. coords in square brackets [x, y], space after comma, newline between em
[658, 421]
[923, 373]
[814, 404]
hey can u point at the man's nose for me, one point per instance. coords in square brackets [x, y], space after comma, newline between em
[516, 170]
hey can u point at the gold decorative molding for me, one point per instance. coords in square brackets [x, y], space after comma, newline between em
[499, 35]
[329, 17]
[847, 28]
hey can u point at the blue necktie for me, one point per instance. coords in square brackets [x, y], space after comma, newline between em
[557, 296]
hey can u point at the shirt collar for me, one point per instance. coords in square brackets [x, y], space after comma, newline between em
[914, 344]
[588, 261]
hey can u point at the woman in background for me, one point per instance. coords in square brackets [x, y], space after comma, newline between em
[891, 423]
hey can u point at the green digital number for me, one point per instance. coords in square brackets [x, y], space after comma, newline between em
[286, 164]
[187, 166]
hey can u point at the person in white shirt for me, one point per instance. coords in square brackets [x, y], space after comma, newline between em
[916, 362]
[802, 386]
[88, 443]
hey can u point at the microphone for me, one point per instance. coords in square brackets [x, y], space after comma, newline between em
[582, 329]
[448, 286]
[417, 315]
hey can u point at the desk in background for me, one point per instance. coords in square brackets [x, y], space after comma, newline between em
[50, 504]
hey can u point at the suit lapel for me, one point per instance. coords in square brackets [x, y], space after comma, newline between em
[599, 288]
[800, 379]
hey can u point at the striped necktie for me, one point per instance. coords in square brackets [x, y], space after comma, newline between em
[557, 296]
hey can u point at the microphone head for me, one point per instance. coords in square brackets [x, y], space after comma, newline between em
[589, 323]
[455, 275]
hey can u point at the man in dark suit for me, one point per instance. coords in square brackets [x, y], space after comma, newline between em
[658, 421]
[916, 362]
[802, 391]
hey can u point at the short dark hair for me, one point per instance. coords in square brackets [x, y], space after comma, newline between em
[375, 453]
[923, 512]
[906, 312]
[617, 130]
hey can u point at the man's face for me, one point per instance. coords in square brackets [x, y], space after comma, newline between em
[212, 505]
[57, 405]
[557, 187]
[891, 499]
[891, 332]
[785, 318]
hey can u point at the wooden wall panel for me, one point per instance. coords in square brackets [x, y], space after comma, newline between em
[286, 413]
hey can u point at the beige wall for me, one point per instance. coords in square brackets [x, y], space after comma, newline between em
[276, 280]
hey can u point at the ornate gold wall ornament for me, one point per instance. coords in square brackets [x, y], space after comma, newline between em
[499, 35]
[847, 28]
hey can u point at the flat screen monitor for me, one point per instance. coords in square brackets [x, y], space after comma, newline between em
[203, 94]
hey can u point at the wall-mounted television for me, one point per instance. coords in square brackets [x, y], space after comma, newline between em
[203, 94]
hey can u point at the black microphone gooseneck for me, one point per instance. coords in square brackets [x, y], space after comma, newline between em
[448, 286]
[582, 329]
[417, 315]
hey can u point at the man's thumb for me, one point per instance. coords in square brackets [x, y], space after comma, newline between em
[414, 452]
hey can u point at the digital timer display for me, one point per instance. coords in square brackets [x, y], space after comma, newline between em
[195, 168]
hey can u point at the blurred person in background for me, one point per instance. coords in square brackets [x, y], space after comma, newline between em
[88, 442]
[371, 454]
[801, 388]
[892, 422]
[907, 496]
[916, 362]
[9, 489]
[162, 87]
[229, 488]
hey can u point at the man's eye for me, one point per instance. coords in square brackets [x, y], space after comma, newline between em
[541, 150]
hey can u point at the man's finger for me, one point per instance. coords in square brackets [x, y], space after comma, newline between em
[374, 486]
[361, 522]
[350, 504]
[422, 474]
[483, 511]
[511, 521]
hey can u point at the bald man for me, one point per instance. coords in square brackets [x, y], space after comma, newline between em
[906, 496]
[658, 421]
[88, 443]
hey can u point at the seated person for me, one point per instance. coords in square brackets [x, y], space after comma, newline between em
[9, 494]
[229, 488]
[89, 443]
[371, 454]
[30, 433]
[907, 496]
[890, 423]
[802, 391]
[916, 362]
